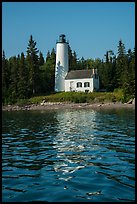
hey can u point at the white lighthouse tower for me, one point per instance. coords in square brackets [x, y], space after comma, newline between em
[61, 68]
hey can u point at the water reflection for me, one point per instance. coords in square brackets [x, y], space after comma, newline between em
[27, 137]
[73, 155]
[73, 141]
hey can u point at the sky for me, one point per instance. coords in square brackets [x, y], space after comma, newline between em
[92, 28]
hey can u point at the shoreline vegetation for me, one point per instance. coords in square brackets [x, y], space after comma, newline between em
[72, 100]
[27, 75]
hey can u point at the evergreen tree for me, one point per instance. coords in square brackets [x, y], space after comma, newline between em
[106, 55]
[100, 66]
[48, 73]
[82, 63]
[53, 56]
[109, 71]
[121, 65]
[70, 58]
[23, 78]
[33, 66]
[52, 69]
[74, 61]
[129, 55]
[5, 77]
[121, 49]
[13, 78]
[111, 55]
[129, 83]
[89, 63]
[41, 59]
[48, 55]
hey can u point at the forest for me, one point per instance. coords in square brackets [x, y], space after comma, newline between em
[31, 74]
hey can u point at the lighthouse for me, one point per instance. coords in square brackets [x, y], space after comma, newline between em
[61, 68]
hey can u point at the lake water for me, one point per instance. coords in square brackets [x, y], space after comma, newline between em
[68, 155]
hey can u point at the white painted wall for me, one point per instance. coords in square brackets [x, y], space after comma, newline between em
[61, 68]
[71, 84]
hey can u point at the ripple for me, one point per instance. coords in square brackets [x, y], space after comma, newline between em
[73, 155]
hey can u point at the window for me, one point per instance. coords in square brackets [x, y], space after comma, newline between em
[79, 84]
[86, 84]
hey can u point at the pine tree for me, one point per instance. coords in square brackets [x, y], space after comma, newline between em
[82, 64]
[100, 66]
[14, 78]
[5, 77]
[70, 58]
[129, 84]
[106, 55]
[23, 78]
[53, 55]
[52, 70]
[74, 61]
[41, 59]
[121, 65]
[33, 66]
[121, 49]
[89, 63]
[48, 55]
[108, 74]
[48, 73]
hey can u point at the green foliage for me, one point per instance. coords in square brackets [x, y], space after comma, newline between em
[33, 64]
[75, 97]
[72, 59]
[22, 102]
[31, 76]
[5, 78]
[121, 49]
[41, 59]
[80, 97]
[119, 94]
[47, 74]
[35, 100]
[23, 78]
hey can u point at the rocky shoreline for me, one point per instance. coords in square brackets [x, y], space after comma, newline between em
[65, 105]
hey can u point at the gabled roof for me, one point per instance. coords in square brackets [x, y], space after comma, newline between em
[79, 74]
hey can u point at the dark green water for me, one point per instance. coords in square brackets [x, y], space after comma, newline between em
[68, 155]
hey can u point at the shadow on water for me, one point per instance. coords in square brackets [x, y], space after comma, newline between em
[73, 155]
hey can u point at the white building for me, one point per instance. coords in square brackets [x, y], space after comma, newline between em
[76, 80]
[82, 80]
[61, 68]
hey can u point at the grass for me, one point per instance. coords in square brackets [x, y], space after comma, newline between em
[76, 97]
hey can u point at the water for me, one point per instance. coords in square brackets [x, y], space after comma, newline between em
[68, 155]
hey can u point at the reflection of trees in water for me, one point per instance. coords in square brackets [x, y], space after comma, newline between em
[74, 140]
[28, 138]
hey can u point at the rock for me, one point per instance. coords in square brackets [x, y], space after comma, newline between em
[99, 105]
[130, 101]
[43, 102]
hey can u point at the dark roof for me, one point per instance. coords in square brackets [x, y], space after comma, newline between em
[79, 74]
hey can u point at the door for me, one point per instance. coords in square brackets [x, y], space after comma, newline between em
[72, 87]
